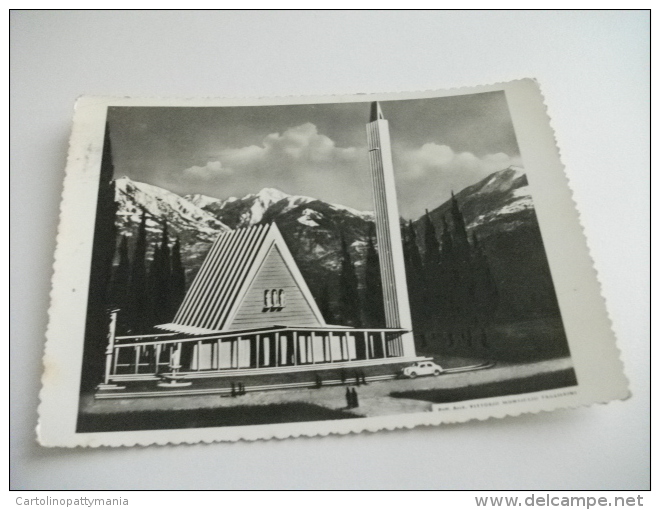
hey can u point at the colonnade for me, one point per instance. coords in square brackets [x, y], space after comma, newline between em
[153, 354]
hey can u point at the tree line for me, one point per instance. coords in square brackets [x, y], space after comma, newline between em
[147, 293]
[103, 250]
[352, 307]
[453, 295]
[452, 291]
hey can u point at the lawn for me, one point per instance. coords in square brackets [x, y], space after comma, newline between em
[538, 382]
[216, 417]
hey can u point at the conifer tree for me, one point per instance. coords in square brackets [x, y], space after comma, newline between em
[349, 299]
[486, 295]
[431, 245]
[178, 280]
[415, 279]
[405, 241]
[153, 285]
[103, 251]
[120, 284]
[413, 250]
[446, 240]
[448, 279]
[460, 233]
[121, 274]
[431, 299]
[374, 307]
[162, 280]
[325, 305]
[138, 309]
[463, 281]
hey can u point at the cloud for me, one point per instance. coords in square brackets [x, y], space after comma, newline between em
[432, 158]
[299, 160]
[302, 161]
[210, 170]
[299, 148]
[428, 174]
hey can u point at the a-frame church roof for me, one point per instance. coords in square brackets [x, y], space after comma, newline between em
[228, 291]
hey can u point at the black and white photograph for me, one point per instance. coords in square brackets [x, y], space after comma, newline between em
[344, 263]
[340, 250]
[273, 264]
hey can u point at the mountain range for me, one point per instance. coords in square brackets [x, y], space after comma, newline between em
[311, 227]
[498, 210]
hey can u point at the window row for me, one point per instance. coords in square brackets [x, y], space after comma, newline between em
[274, 298]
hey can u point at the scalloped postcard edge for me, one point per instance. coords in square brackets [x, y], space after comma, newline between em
[594, 355]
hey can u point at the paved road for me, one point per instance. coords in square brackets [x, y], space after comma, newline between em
[374, 398]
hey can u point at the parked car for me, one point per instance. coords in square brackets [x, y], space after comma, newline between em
[421, 368]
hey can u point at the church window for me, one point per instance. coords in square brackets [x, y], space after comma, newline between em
[273, 300]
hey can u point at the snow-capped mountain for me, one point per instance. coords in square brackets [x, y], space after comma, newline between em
[309, 217]
[201, 201]
[313, 231]
[181, 214]
[195, 227]
[311, 227]
[252, 208]
[500, 202]
[499, 210]
[509, 188]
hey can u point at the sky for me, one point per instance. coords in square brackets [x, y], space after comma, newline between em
[316, 150]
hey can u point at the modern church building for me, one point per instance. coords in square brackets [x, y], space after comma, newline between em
[249, 317]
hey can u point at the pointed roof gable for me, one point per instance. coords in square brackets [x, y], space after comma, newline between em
[222, 282]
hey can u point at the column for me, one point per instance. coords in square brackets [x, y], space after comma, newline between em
[110, 347]
[158, 349]
[116, 360]
[277, 349]
[137, 359]
[312, 337]
[177, 355]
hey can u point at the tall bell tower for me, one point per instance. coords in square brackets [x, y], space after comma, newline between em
[388, 234]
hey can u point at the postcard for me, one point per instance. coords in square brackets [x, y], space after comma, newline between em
[270, 268]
